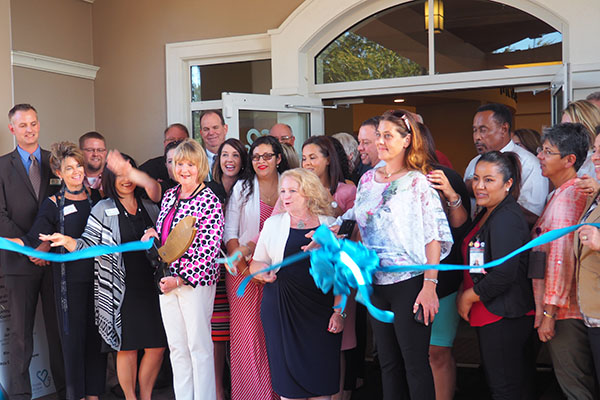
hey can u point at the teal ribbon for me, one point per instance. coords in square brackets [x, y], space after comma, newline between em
[90, 252]
[343, 265]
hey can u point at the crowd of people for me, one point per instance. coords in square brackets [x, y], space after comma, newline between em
[285, 338]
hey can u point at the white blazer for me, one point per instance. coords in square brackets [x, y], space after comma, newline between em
[274, 236]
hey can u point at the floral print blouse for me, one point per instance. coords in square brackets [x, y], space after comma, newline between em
[397, 219]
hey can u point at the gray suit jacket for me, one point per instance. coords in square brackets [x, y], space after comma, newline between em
[19, 207]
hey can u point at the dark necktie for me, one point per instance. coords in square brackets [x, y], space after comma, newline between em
[34, 175]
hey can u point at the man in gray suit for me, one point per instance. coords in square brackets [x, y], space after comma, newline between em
[25, 181]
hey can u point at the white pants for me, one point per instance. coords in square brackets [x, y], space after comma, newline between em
[186, 314]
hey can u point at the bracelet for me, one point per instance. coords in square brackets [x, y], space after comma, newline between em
[454, 204]
[547, 314]
[431, 280]
[177, 280]
[341, 314]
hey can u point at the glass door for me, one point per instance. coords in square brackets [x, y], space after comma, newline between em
[251, 115]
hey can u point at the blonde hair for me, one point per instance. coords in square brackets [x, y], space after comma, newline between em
[191, 150]
[290, 154]
[585, 113]
[318, 199]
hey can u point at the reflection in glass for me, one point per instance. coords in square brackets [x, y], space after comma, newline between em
[470, 35]
[209, 81]
[390, 44]
[484, 35]
[257, 123]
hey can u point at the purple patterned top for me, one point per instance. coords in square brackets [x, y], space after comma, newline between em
[197, 265]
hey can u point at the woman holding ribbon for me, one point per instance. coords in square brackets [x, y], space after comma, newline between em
[302, 331]
[67, 212]
[251, 203]
[126, 303]
[499, 301]
[420, 236]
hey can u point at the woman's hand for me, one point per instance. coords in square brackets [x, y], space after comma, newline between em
[428, 299]
[169, 283]
[336, 323]
[546, 329]
[58, 240]
[265, 277]
[149, 234]
[439, 181]
[589, 236]
[587, 185]
[465, 301]
[312, 245]
[118, 164]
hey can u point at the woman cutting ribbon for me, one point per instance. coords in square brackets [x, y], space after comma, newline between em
[302, 331]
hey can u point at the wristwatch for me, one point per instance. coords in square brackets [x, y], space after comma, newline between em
[343, 315]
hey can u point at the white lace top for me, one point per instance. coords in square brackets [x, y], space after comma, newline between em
[398, 219]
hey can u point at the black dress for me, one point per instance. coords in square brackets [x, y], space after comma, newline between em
[85, 365]
[141, 321]
[304, 356]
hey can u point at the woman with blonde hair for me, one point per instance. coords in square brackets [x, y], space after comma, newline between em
[189, 291]
[588, 114]
[302, 330]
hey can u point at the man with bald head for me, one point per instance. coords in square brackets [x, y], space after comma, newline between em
[283, 133]
[156, 167]
[491, 131]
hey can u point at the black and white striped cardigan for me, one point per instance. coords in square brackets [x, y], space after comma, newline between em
[102, 228]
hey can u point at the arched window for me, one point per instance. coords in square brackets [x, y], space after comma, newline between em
[468, 35]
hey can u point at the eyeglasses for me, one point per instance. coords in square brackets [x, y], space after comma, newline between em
[266, 157]
[546, 152]
[89, 150]
[284, 138]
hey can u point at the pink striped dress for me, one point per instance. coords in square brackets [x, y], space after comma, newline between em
[250, 374]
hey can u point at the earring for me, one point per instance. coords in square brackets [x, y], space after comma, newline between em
[507, 190]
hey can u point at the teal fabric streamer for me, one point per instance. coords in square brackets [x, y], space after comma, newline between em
[342, 265]
[540, 240]
[90, 252]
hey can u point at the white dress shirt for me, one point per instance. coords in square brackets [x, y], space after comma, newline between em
[534, 186]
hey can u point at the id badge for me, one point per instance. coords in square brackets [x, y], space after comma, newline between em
[476, 259]
[70, 209]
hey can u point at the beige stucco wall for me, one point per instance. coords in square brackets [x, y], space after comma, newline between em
[129, 46]
[6, 139]
[59, 29]
[65, 104]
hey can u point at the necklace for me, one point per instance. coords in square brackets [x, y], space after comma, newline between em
[300, 224]
[79, 191]
[387, 175]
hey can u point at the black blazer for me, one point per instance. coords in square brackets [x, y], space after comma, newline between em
[19, 206]
[505, 290]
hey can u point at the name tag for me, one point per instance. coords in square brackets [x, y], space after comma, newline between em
[111, 212]
[55, 181]
[476, 259]
[70, 209]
